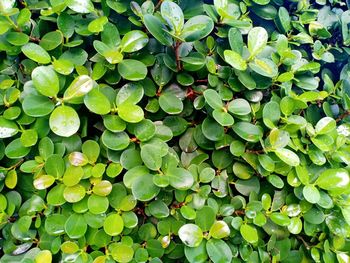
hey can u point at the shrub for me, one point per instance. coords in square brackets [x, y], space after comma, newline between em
[174, 131]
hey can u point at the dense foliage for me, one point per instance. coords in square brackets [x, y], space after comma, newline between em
[183, 131]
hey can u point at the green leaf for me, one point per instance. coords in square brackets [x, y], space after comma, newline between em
[223, 118]
[271, 114]
[51, 40]
[37, 105]
[212, 130]
[150, 156]
[97, 102]
[191, 235]
[239, 107]
[36, 53]
[218, 251]
[102, 188]
[7, 128]
[335, 180]
[280, 219]
[247, 131]
[97, 204]
[213, 99]
[155, 26]
[80, 6]
[46, 81]
[196, 28]
[64, 121]
[180, 178]
[73, 175]
[130, 112]
[283, 20]
[219, 230]
[133, 41]
[115, 140]
[288, 156]
[54, 224]
[80, 86]
[249, 233]
[113, 225]
[235, 60]
[261, 2]
[75, 226]
[131, 93]
[97, 24]
[257, 40]
[43, 181]
[74, 193]
[311, 194]
[170, 103]
[131, 69]
[264, 67]
[15, 149]
[197, 254]
[17, 38]
[205, 218]
[145, 130]
[325, 125]
[295, 226]
[143, 188]
[63, 66]
[121, 252]
[173, 15]
[43, 256]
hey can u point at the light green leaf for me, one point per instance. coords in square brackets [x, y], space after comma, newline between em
[79, 87]
[64, 121]
[170, 103]
[180, 178]
[191, 235]
[97, 102]
[133, 41]
[219, 230]
[218, 251]
[80, 6]
[155, 26]
[130, 112]
[36, 53]
[257, 40]
[249, 233]
[131, 69]
[248, 131]
[235, 60]
[311, 194]
[325, 125]
[7, 128]
[196, 28]
[46, 81]
[287, 156]
[334, 180]
[264, 67]
[173, 15]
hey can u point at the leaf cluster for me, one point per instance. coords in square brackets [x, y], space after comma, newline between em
[174, 131]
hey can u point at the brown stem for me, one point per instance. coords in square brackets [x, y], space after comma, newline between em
[16, 164]
[240, 212]
[254, 151]
[202, 80]
[134, 139]
[158, 4]
[304, 242]
[177, 55]
[34, 39]
[343, 116]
